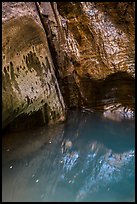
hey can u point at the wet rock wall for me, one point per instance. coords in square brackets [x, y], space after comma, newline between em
[72, 49]
[29, 83]
[92, 41]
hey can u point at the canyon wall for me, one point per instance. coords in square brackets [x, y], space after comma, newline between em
[94, 45]
[83, 51]
[29, 84]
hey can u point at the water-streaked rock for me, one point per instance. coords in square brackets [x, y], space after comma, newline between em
[29, 83]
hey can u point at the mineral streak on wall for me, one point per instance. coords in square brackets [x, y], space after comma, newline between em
[99, 37]
[29, 83]
[90, 41]
[91, 37]
[88, 48]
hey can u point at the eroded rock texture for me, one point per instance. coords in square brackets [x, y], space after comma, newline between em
[93, 41]
[88, 46]
[29, 84]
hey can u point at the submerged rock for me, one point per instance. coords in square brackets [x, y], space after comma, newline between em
[117, 112]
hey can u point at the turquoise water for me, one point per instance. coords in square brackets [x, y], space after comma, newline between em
[88, 158]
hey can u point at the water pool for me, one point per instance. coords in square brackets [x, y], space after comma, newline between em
[87, 158]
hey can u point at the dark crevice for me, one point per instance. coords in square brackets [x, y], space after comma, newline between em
[54, 54]
[94, 94]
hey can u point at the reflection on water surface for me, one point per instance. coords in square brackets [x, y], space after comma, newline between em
[88, 158]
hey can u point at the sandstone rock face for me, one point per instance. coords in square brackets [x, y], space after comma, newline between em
[92, 40]
[78, 45]
[99, 37]
[29, 83]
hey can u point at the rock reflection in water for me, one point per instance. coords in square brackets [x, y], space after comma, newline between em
[85, 159]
